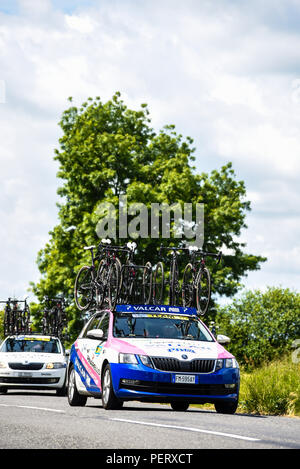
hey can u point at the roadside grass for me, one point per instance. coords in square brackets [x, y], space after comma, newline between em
[271, 389]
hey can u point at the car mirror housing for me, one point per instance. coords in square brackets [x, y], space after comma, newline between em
[95, 334]
[223, 339]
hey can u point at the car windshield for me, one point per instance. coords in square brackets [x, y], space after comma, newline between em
[27, 344]
[160, 326]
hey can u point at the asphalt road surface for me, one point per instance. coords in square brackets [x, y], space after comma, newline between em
[42, 420]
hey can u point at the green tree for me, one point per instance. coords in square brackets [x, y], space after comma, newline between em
[108, 150]
[261, 325]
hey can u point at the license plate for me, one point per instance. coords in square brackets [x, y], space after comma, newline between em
[25, 375]
[187, 379]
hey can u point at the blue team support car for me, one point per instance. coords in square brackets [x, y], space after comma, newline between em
[151, 353]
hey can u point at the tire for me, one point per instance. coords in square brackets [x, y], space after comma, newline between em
[174, 285]
[61, 391]
[158, 284]
[74, 398]
[226, 407]
[101, 283]
[147, 283]
[113, 284]
[180, 406]
[109, 399]
[3, 390]
[203, 291]
[84, 288]
[188, 294]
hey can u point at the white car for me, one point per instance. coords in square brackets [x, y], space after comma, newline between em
[33, 361]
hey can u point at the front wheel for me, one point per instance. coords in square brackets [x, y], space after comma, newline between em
[109, 399]
[158, 284]
[180, 406]
[84, 288]
[226, 407]
[74, 398]
[203, 291]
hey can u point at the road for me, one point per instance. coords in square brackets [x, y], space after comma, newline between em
[42, 420]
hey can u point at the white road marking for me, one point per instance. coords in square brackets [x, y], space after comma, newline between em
[190, 429]
[31, 407]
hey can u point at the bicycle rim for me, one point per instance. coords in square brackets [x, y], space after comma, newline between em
[147, 283]
[113, 284]
[188, 286]
[84, 289]
[101, 282]
[158, 287]
[203, 291]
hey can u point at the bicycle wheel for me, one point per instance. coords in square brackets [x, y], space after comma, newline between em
[101, 281]
[174, 284]
[113, 284]
[84, 290]
[147, 283]
[158, 284]
[203, 290]
[6, 323]
[188, 294]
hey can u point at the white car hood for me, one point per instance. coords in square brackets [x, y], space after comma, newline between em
[176, 348]
[21, 357]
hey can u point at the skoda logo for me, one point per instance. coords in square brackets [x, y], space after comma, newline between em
[184, 357]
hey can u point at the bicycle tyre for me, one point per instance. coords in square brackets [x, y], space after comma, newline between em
[84, 289]
[6, 324]
[113, 284]
[174, 285]
[203, 291]
[147, 283]
[101, 281]
[187, 291]
[158, 284]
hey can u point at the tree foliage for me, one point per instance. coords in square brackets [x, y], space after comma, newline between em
[261, 325]
[108, 150]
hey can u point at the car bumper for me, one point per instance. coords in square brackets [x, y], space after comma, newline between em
[47, 379]
[143, 383]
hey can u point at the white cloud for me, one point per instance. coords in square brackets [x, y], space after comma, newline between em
[225, 73]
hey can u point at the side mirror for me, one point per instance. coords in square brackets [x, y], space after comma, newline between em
[95, 334]
[222, 339]
[67, 352]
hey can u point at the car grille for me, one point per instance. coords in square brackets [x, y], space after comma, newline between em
[29, 380]
[26, 366]
[173, 364]
[184, 389]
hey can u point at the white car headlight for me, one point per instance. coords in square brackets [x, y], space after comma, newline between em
[128, 358]
[146, 360]
[231, 363]
[3, 365]
[55, 366]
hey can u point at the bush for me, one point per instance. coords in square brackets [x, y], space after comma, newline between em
[272, 389]
[261, 325]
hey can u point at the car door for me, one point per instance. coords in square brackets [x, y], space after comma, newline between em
[95, 352]
[86, 352]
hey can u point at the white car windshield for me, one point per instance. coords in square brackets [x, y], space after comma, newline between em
[27, 344]
[160, 326]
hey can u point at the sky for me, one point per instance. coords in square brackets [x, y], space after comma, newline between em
[224, 72]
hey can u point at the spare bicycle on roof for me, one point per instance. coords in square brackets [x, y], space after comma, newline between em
[118, 279]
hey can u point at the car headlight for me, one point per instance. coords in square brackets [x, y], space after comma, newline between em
[219, 364]
[231, 363]
[3, 365]
[55, 366]
[128, 358]
[146, 360]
